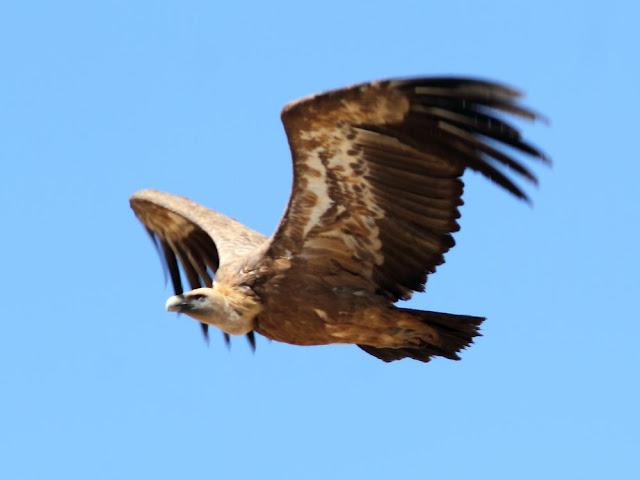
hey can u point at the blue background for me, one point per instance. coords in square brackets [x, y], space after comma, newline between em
[100, 99]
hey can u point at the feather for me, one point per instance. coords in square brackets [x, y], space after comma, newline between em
[172, 266]
[251, 338]
[204, 328]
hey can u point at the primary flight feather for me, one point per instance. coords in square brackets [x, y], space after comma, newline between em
[376, 190]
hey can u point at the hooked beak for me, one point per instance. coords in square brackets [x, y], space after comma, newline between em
[177, 303]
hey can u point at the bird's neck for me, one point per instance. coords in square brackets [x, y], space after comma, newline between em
[240, 307]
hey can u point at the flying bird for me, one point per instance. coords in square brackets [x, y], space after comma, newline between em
[376, 190]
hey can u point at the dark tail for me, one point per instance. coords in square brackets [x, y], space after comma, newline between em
[454, 333]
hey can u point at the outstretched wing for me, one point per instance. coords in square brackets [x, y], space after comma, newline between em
[377, 170]
[192, 237]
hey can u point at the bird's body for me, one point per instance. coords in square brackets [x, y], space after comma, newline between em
[375, 199]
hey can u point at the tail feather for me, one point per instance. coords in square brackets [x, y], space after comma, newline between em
[454, 333]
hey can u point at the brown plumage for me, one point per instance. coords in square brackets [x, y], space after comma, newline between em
[376, 190]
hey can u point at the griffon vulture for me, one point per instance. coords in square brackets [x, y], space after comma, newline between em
[376, 190]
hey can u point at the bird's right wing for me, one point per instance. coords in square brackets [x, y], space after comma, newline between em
[377, 175]
[191, 236]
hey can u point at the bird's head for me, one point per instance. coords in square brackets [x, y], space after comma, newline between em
[196, 303]
[209, 305]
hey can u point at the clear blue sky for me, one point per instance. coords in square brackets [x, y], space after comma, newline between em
[99, 99]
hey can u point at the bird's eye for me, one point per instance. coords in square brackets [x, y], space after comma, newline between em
[198, 296]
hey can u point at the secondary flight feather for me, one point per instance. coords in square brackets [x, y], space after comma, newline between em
[376, 190]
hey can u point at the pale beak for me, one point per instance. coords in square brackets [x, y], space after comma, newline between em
[177, 303]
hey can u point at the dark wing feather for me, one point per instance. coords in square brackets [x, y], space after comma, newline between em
[377, 174]
[192, 239]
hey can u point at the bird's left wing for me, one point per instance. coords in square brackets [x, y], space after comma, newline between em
[377, 170]
[193, 237]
